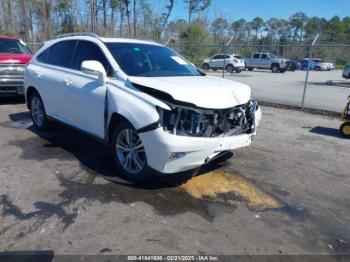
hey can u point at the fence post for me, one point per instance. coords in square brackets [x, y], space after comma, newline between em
[225, 51]
[308, 71]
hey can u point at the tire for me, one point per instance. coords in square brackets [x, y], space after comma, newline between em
[345, 129]
[275, 68]
[205, 67]
[37, 112]
[250, 68]
[230, 68]
[317, 68]
[129, 154]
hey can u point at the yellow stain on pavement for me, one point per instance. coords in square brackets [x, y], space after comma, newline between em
[214, 184]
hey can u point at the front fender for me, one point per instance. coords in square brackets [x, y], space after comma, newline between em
[137, 107]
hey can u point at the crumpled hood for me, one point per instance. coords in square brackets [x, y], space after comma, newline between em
[202, 91]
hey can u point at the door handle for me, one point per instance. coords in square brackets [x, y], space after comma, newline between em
[68, 82]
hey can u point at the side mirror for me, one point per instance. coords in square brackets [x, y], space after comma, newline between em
[92, 67]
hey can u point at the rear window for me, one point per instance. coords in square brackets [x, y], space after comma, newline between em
[59, 54]
[13, 46]
[238, 57]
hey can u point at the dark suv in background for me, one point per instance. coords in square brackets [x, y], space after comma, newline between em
[14, 55]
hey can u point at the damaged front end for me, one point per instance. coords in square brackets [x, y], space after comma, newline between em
[199, 122]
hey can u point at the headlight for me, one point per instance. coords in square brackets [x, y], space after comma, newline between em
[187, 121]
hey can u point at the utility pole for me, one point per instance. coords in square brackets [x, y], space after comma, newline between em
[308, 70]
[225, 52]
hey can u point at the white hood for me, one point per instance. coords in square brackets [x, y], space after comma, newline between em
[203, 91]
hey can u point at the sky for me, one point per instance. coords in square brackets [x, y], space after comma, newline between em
[248, 9]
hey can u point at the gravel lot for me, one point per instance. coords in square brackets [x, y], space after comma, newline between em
[286, 194]
[326, 90]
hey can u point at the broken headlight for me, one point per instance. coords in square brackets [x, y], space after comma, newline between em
[187, 121]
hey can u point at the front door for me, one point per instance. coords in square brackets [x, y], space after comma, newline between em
[85, 93]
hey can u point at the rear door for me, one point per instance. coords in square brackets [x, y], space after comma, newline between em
[265, 61]
[49, 72]
[215, 61]
[256, 60]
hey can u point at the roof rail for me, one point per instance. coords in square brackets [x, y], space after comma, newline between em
[79, 34]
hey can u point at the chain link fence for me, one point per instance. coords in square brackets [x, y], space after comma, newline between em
[325, 87]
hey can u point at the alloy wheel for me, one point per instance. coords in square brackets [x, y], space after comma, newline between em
[37, 111]
[130, 151]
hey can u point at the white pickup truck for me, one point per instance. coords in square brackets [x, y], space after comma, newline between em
[267, 61]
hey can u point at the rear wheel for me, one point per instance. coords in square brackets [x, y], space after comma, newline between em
[129, 153]
[229, 68]
[250, 68]
[345, 129]
[37, 112]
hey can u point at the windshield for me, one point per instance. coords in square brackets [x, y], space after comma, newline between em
[150, 60]
[13, 46]
[272, 56]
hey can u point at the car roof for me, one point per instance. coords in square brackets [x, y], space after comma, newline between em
[127, 40]
[8, 37]
[104, 39]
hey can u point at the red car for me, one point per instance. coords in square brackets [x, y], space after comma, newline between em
[14, 55]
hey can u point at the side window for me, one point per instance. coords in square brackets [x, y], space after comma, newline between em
[217, 57]
[59, 54]
[256, 56]
[89, 51]
[264, 56]
[228, 57]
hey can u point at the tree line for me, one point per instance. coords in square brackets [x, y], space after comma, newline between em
[39, 20]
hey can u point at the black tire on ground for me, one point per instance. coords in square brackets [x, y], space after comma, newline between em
[275, 68]
[123, 147]
[229, 68]
[205, 67]
[345, 129]
[38, 113]
[250, 68]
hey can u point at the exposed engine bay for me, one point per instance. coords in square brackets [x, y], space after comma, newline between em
[188, 121]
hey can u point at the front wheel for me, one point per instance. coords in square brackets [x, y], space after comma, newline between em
[275, 68]
[205, 67]
[129, 153]
[345, 129]
[38, 113]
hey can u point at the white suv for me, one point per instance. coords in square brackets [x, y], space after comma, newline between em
[155, 109]
[231, 63]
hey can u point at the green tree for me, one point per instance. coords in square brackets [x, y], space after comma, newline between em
[238, 28]
[219, 27]
[257, 24]
[195, 6]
